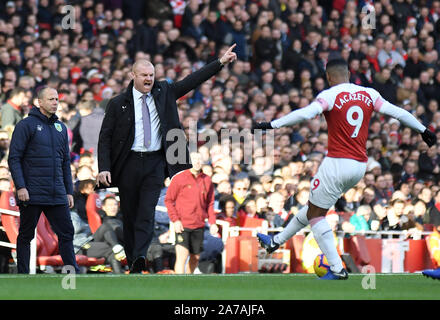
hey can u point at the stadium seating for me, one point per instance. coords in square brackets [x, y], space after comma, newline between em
[250, 222]
[47, 241]
[93, 205]
[241, 254]
[295, 245]
[357, 248]
[10, 223]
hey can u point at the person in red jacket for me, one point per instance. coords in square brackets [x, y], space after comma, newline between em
[190, 200]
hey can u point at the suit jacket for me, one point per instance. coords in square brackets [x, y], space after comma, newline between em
[117, 130]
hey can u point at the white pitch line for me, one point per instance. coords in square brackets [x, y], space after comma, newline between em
[42, 276]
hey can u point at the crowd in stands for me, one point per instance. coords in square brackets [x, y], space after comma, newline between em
[282, 48]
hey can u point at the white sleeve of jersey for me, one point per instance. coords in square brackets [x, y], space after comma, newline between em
[299, 115]
[389, 109]
[327, 99]
[400, 114]
[323, 102]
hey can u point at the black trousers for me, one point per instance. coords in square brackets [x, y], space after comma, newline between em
[159, 252]
[98, 249]
[106, 233]
[61, 223]
[139, 188]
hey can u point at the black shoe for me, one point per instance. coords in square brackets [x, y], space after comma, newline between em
[138, 265]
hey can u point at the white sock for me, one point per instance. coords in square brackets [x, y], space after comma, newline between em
[298, 222]
[324, 237]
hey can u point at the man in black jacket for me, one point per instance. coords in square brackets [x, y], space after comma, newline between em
[141, 143]
[39, 160]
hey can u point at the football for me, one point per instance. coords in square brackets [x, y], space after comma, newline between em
[321, 265]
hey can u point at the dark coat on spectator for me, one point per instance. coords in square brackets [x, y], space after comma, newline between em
[214, 31]
[426, 167]
[145, 39]
[39, 159]
[413, 69]
[387, 89]
[265, 49]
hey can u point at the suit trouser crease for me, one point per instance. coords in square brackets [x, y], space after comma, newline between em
[139, 189]
[61, 224]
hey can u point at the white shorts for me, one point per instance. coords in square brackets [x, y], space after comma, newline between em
[335, 176]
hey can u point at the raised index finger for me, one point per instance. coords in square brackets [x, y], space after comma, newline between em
[231, 47]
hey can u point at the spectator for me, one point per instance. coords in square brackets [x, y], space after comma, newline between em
[96, 246]
[379, 216]
[433, 212]
[85, 188]
[409, 171]
[265, 48]
[214, 29]
[86, 133]
[237, 35]
[239, 191]
[414, 65]
[417, 216]
[361, 219]
[428, 165]
[247, 210]
[227, 210]
[11, 112]
[382, 191]
[276, 205]
[368, 197]
[388, 57]
[384, 85]
[393, 218]
[111, 216]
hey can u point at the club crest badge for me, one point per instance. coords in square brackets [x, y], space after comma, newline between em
[58, 127]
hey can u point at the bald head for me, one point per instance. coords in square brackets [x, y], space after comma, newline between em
[44, 91]
[141, 63]
[48, 101]
[143, 75]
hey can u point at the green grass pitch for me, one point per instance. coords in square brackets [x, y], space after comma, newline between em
[218, 287]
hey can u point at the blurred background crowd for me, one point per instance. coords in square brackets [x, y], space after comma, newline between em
[282, 49]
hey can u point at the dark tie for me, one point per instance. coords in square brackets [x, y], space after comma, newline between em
[146, 120]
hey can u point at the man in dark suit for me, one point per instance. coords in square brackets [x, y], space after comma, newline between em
[141, 143]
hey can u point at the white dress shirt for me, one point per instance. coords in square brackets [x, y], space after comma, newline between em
[138, 144]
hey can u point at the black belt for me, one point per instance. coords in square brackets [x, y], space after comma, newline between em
[146, 153]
